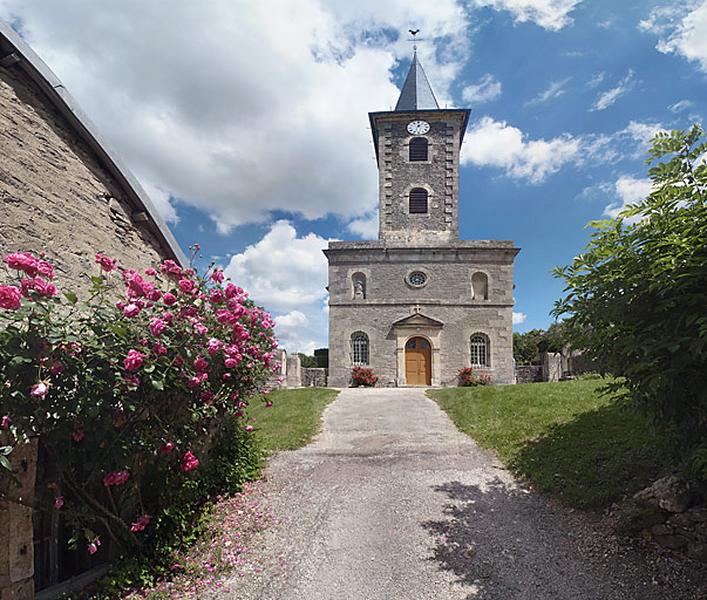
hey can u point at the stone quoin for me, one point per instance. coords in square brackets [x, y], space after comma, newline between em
[418, 304]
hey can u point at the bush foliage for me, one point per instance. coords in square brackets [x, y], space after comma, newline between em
[636, 297]
[470, 378]
[133, 400]
[363, 377]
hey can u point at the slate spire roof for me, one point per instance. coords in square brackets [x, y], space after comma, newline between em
[417, 93]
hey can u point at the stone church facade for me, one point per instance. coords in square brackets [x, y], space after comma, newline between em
[418, 304]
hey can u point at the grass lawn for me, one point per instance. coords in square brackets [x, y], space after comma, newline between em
[293, 419]
[565, 438]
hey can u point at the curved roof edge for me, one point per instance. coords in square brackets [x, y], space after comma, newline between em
[50, 84]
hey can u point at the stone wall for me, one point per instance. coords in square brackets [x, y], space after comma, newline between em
[671, 513]
[55, 194]
[529, 373]
[314, 377]
[439, 175]
[57, 197]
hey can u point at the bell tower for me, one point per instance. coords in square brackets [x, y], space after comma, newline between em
[417, 149]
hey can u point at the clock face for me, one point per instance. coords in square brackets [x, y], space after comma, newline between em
[418, 127]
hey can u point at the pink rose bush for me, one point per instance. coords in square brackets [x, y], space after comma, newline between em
[129, 385]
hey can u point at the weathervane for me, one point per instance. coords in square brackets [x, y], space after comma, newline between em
[414, 40]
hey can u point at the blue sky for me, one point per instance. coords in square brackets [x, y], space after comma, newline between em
[247, 122]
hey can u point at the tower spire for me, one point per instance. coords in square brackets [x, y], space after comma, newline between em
[417, 93]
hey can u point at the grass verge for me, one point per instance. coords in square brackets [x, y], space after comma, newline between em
[292, 420]
[566, 438]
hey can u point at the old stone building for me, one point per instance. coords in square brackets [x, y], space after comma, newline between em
[418, 304]
[64, 192]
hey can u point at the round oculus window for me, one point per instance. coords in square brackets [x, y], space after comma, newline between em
[417, 278]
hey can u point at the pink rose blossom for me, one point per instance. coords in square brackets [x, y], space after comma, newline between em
[58, 502]
[213, 346]
[141, 523]
[134, 360]
[216, 295]
[169, 298]
[57, 368]
[167, 448]
[187, 286]
[151, 271]
[207, 396]
[94, 545]
[132, 380]
[157, 326]
[116, 478]
[154, 295]
[30, 264]
[78, 435]
[5, 422]
[248, 428]
[131, 310]
[159, 349]
[200, 329]
[189, 462]
[171, 269]
[227, 376]
[167, 316]
[10, 297]
[268, 404]
[39, 390]
[201, 364]
[39, 286]
[217, 276]
[106, 263]
[230, 363]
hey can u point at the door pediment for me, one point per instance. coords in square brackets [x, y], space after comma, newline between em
[418, 320]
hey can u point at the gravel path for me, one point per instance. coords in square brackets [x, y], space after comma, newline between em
[393, 502]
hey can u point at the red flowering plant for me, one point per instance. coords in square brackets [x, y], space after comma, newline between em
[363, 377]
[127, 397]
[469, 378]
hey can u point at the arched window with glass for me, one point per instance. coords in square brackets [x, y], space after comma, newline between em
[480, 350]
[359, 348]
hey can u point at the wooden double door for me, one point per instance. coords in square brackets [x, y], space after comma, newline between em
[418, 362]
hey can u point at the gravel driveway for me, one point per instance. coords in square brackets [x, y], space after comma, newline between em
[392, 502]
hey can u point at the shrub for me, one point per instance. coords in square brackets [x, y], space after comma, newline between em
[130, 398]
[635, 298]
[363, 377]
[469, 378]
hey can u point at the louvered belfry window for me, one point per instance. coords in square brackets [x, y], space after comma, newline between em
[418, 149]
[418, 201]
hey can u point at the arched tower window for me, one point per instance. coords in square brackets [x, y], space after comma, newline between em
[418, 201]
[359, 348]
[480, 350]
[359, 286]
[418, 149]
[480, 286]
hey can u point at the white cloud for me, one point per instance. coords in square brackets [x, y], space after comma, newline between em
[610, 96]
[518, 318]
[680, 106]
[630, 190]
[287, 274]
[683, 28]
[554, 90]
[549, 14]
[491, 143]
[242, 108]
[596, 79]
[498, 144]
[282, 271]
[367, 227]
[486, 89]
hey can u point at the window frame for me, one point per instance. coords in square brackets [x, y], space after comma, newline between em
[479, 342]
[360, 349]
[418, 198]
[415, 146]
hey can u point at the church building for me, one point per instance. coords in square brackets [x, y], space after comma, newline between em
[418, 304]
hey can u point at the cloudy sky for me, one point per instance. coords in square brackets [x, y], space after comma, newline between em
[247, 123]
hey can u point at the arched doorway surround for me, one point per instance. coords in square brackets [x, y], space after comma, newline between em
[418, 325]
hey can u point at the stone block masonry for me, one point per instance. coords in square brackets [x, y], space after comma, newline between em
[55, 195]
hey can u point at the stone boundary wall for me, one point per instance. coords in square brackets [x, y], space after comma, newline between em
[529, 373]
[314, 377]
